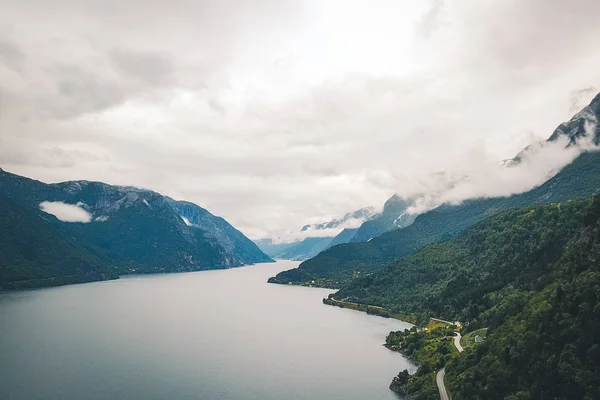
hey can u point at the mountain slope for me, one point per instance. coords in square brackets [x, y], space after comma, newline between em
[345, 236]
[133, 229]
[548, 348]
[529, 275]
[34, 254]
[305, 249]
[338, 264]
[226, 235]
[452, 279]
[393, 216]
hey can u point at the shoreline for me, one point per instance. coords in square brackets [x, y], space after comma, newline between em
[371, 310]
[68, 280]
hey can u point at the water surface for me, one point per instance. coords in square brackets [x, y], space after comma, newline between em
[204, 335]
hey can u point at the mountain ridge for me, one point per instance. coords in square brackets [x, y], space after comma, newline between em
[336, 266]
[136, 230]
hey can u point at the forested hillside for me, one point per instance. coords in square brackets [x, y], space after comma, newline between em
[544, 345]
[531, 276]
[34, 254]
[457, 279]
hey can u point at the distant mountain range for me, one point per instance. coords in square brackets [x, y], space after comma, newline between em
[310, 246]
[352, 217]
[370, 224]
[123, 230]
[339, 264]
[296, 251]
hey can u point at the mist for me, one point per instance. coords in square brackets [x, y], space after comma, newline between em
[479, 176]
[66, 212]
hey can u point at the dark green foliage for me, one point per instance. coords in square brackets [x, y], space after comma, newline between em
[424, 346]
[530, 275]
[33, 254]
[457, 278]
[432, 350]
[329, 273]
[548, 349]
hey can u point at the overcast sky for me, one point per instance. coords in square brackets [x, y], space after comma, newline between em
[273, 113]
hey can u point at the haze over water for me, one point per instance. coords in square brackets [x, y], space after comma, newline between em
[207, 335]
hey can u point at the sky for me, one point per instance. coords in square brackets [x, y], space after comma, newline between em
[276, 114]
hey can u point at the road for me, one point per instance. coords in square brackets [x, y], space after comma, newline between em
[468, 339]
[441, 320]
[457, 343]
[439, 378]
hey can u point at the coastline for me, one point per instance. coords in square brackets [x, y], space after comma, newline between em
[371, 310]
[55, 281]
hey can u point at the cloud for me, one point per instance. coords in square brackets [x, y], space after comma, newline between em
[11, 56]
[154, 68]
[430, 21]
[480, 178]
[66, 212]
[579, 98]
[370, 99]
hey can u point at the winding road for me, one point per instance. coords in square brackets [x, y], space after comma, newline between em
[457, 343]
[439, 377]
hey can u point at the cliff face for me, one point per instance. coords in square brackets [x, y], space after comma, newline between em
[232, 240]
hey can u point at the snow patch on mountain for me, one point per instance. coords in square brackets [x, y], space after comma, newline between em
[396, 221]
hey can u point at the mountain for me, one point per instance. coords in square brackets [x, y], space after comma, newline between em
[312, 245]
[305, 249]
[393, 216]
[350, 218]
[529, 275]
[35, 254]
[339, 264]
[232, 240]
[345, 236]
[297, 251]
[273, 249]
[451, 279]
[132, 229]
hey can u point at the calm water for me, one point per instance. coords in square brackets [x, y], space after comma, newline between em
[203, 335]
